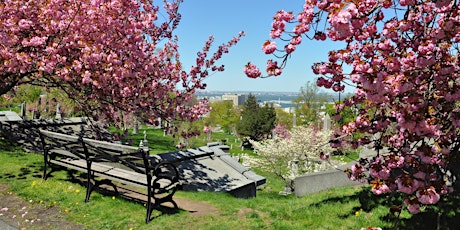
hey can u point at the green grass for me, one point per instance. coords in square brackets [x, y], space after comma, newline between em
[341, 208]
[159, 143]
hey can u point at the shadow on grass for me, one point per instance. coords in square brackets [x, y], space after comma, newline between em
[8, 146]
[107, 188]
[14, 153]
[444, 215]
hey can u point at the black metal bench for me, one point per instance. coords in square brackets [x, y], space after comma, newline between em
[110, 162]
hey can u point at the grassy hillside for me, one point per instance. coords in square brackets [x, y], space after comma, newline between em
[342, 208]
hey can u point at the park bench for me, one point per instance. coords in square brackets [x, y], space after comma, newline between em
[105, 163]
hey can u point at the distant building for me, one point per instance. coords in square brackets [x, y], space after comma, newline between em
[237, 99]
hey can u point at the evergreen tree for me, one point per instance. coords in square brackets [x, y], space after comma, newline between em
[256, 122]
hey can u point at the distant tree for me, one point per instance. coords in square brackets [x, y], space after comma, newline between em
[308, 103]
[341, 117]
[256, 122]
[284, 118]
[224, 114]
[267, 118]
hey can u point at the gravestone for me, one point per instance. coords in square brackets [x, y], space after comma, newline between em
[136, 126]
[58, 111]
[327, 123]
[23, 110]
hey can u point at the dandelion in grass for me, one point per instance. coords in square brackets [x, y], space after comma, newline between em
[34, 183]
[356, 213]
[113, 197]
[77, 191]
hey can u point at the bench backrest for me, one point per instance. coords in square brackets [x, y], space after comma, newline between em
[129, 156]
[71, 145]
[124, 156]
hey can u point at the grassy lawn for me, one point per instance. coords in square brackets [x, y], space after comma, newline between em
[341, 208]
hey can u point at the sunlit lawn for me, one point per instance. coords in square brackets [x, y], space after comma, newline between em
[341, 208]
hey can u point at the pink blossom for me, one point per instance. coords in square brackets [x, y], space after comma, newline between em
[269, 47]
[252, 71]
[356, 172]
[323, 156]
[428, 196]
[407, 2]
[381, 172]
[86, 77]
[296, 40]
[408, 185]
[273, 69]
[289, 48]
[206, 129]
[395, 161]
[379, 188]
[412, 206]
[25, 24]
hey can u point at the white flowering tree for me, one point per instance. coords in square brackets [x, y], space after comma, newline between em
[304, 150]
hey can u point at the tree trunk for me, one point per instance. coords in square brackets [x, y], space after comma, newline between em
[7, 86]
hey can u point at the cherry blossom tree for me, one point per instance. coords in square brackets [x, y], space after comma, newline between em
[108, 55]
[303, 149]
[402, 57]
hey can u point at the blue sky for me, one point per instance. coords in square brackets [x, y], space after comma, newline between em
[224, 20]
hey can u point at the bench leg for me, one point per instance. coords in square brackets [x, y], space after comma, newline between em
[45, 167]
[89, 187]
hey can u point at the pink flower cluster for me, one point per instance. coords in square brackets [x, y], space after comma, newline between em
[207, 129]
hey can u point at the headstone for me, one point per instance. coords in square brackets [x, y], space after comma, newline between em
[58, 111]
[145, 142]
[39, 104]
[23, 110]
[288, 189]
[136, 126]
[327, 123]
[294, 165]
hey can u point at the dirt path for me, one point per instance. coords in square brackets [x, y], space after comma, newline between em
[19, 213]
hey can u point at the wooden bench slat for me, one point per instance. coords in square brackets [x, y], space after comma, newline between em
[80, 165]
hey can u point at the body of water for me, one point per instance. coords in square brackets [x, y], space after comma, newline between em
[284, 100]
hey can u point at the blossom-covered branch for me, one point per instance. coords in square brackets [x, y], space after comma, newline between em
[109, 55]
[402, 57]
